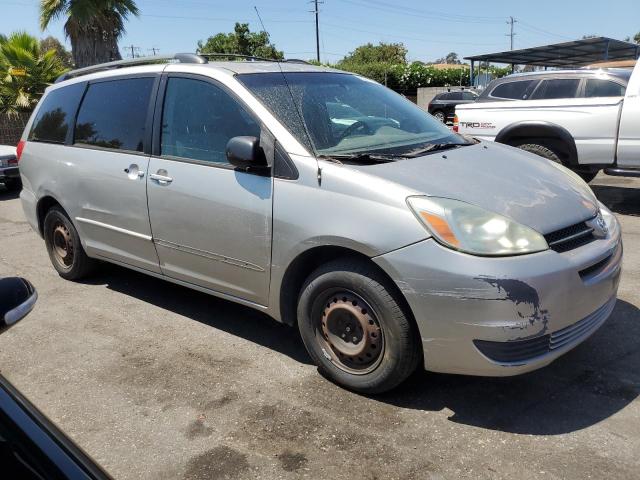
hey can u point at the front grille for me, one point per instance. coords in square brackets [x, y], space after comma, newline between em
[569, 238]
[522, 351]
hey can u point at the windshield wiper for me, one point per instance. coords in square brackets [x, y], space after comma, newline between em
[434, 147]
[359, 157]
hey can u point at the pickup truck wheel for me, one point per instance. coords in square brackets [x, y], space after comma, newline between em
[541, 150]
[64, 247]
[355, 329]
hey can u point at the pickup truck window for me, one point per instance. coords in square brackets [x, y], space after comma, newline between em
[556, 88]
[598, 87]
[512, 90]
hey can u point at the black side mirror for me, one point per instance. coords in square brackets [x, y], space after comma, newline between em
[246, 153]
[17, 299]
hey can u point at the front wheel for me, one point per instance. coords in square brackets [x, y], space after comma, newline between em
[550, 153]
[355, 328]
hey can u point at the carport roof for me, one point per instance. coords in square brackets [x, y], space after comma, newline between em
[568, 54]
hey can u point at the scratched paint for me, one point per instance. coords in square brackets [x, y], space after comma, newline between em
[520, 292]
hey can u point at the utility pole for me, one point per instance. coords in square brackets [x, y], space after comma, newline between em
[133, 49]
[316, 12]
[511, 34]
[155, 50]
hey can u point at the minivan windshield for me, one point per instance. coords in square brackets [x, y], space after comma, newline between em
[346, 116]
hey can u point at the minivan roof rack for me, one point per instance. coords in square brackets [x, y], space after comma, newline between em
[130, 62]
[178, 57]
[251, 58]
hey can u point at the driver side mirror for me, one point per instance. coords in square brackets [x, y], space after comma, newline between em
[246, 153]
[17, 299]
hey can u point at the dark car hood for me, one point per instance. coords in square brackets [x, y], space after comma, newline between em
[519, 185]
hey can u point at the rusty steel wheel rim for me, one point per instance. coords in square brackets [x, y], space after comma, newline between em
[62, 245]
[349, 333]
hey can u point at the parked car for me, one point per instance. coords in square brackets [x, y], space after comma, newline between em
[443, 105]
[31, 446]
[9, 174]
[388, 245]
[584, 119]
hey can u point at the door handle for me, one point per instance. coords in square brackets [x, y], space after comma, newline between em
[134, 172]
[161, 179]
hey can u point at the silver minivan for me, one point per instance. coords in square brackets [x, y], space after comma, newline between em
[328, 202]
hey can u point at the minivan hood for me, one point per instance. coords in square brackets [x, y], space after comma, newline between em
[522, 186]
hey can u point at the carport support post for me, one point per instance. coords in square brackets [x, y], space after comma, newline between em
[471, 73]
[513, 68]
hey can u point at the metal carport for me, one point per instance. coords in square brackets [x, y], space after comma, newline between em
[577, 53]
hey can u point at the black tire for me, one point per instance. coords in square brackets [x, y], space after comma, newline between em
[64, 247]
[13, 184]
[549, 153]
[440, 115]
[541, 150]
[386, 332]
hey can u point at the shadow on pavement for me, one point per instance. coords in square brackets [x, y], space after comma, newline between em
[621, 200]
[587, 385]
[224, 315]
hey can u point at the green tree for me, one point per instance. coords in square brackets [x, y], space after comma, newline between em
[636, 38]
[25, 72]
[451, 58]
[392, 53]
[241, 42]
[52, 43]
[93, 26]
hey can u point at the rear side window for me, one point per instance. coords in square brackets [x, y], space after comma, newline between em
[469, 96]
[556, 88]
[597, 87]
[55, 115]
[113, 114]
[455, 96]
[512, 90]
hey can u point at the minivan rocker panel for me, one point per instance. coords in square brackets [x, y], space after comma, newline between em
[463, 256]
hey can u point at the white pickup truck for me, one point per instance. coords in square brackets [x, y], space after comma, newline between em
[587, 120]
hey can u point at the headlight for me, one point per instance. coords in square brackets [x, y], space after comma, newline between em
[465, 227]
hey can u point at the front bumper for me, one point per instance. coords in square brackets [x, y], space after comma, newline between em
[507, 315]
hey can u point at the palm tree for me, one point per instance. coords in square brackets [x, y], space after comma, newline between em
[25, 71]
[93, 26]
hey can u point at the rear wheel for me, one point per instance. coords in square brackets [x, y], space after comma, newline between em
[552, 154]
[355, 328]
[64, 247]
[439, 114]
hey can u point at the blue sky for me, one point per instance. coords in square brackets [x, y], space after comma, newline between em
[428, 29]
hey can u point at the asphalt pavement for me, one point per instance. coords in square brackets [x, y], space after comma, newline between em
[156, 381]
